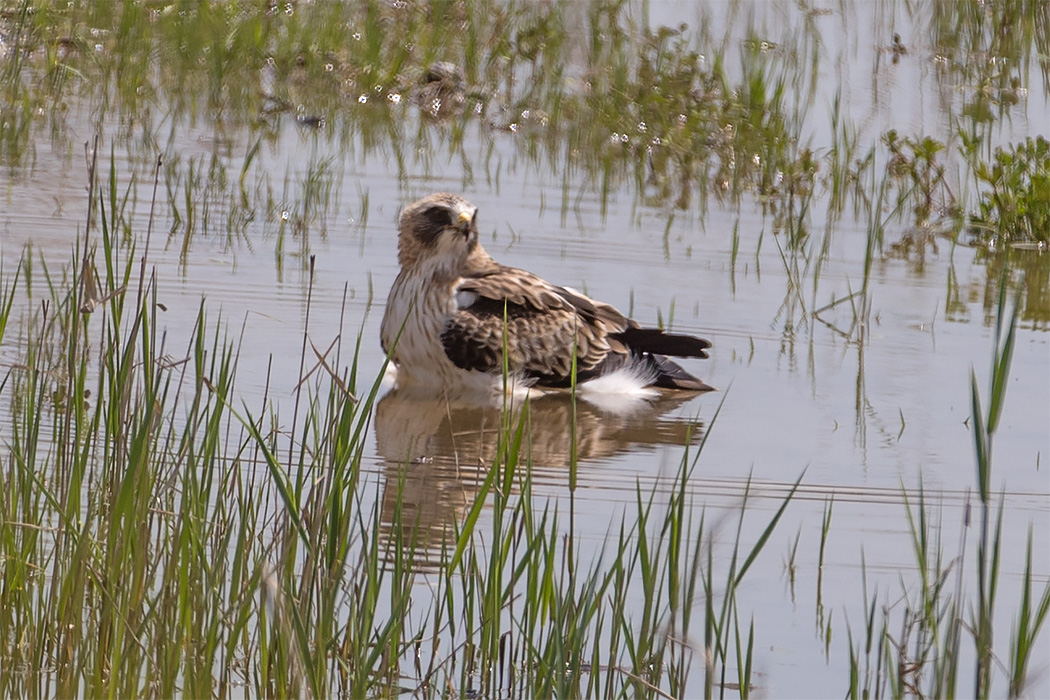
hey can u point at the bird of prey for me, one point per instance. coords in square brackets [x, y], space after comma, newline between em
[453, 311]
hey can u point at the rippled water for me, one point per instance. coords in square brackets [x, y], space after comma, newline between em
[864, 422]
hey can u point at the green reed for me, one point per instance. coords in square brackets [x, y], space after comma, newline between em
[917, 649]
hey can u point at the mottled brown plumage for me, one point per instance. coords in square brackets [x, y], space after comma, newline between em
[456, 308]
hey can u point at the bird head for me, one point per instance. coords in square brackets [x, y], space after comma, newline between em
[439, 228]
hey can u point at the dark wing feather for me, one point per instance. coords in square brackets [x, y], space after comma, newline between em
[654, 340]
[544, 325]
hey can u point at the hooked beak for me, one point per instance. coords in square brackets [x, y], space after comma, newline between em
[465, 222]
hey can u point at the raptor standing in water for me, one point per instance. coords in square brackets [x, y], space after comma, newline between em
[453, 310]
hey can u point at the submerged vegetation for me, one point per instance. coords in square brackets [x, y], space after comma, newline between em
[160, 535]
[680, 113]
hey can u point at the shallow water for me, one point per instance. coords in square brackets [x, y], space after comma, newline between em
[863, 422]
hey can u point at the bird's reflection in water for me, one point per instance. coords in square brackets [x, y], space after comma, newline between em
[437, 450]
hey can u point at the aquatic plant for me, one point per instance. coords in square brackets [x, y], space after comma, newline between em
[918, 176]
[915, 648]
[1014, 195]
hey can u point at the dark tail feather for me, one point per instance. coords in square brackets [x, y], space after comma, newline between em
[669, 375]
[654, 340]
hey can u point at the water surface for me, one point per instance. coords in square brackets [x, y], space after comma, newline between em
[866, 416]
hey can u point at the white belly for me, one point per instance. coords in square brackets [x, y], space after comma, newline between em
[424, 308]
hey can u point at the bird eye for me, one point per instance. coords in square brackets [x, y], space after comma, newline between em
[439, 216]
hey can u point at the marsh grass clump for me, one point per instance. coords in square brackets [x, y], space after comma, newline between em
[987, 50]
[916, 646]
[790, 195]
[918, 176]
[674, 113]
[624, 102]
[1012, 190]
[673, 117]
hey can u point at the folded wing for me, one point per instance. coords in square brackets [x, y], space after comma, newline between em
[543, 326]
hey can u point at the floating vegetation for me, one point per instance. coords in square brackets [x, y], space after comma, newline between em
[1014, 204]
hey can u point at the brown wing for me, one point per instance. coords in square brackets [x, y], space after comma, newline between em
[544, 326]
